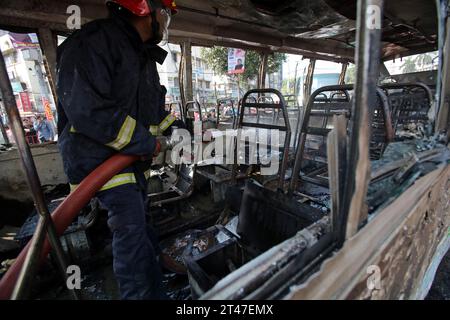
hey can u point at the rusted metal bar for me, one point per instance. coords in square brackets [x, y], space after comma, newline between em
[186, 48]
[263, 70]
[387, 116]
[48, 42]
[443, 83]
[337, 154]
[307, 86]
[181, 80]
[343, 73]
[369, 20]
[28, 271]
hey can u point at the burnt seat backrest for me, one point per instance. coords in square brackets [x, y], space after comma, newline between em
[324, 103]
[320, 123]
[267, 218]
[259, 110]
[410, 103]
[382, 127]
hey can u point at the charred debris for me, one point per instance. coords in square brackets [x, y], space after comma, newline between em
[217, 221]
[228, 231]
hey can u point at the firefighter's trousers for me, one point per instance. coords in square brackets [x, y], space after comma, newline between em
[134, 244]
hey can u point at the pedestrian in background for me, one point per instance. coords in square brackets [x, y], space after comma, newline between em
[44, 129]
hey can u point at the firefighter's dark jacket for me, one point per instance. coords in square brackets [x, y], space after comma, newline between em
[109, 95]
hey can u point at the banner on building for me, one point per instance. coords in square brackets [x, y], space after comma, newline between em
[26, 103]
[48, 109]
[18, 103]
[25, 45]
[236, 61]
[24, 41]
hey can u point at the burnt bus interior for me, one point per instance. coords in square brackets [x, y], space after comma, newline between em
[344, 153]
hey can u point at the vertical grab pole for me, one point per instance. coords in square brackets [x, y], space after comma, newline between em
[368, 54]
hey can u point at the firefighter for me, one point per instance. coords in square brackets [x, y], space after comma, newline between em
[111, 101]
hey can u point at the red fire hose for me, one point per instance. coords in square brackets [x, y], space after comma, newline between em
[67, 212]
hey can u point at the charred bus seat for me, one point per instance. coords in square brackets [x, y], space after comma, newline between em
[317, 123]
[410, 104]
[295, 115]
[266, 218]
[263, 112]
[323, 105]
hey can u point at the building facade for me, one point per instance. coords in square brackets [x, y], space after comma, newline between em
[26, 70]
[202, 76]
[207, 86]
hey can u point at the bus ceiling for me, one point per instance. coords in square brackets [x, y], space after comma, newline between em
[323, 29]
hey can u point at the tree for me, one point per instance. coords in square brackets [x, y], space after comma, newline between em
[420, 62]
[350, 75]
[217, 59]
[424, 60]
[409, 66]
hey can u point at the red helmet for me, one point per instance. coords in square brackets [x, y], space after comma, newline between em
[141, 8]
